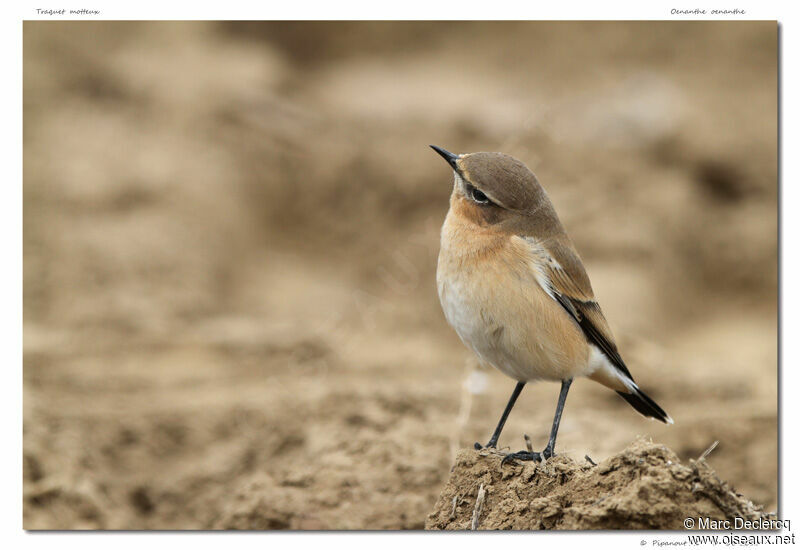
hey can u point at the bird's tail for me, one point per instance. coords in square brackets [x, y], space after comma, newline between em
[646, 406]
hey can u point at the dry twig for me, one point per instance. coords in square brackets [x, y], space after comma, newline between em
[455, 505]
[476, 513]
[708, 451]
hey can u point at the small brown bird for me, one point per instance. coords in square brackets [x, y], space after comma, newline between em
[513, 287]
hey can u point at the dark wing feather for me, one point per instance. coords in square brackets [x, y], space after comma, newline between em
[570, 286]
[565, 280]
[590, 319]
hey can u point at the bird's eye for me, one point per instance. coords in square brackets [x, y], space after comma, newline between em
[478, 196]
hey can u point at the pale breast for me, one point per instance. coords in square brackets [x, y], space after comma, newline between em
[490, 296]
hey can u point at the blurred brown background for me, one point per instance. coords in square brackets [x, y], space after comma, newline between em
[230, 240]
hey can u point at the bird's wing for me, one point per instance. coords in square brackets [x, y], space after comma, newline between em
[561, 273]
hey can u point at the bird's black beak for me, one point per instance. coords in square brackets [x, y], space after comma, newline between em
[448, 156]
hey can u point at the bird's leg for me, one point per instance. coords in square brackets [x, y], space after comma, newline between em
[548, 451]
[496, 435]
[522, 455]
[562, 398]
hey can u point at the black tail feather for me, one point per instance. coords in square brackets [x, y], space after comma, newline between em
[646, 406]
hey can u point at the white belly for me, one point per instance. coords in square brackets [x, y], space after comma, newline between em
[511, 323]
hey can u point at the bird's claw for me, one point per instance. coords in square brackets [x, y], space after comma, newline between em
[522, 455]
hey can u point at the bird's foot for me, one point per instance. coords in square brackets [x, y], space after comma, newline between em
[548, 453]
[491, 445]
[522, 455]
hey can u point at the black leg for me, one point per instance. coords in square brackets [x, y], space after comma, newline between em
[522, 455]
[493, 441]
[562, 398]
[548, 451]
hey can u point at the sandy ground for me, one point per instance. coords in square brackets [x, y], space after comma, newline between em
[643, 487]
[230, 239]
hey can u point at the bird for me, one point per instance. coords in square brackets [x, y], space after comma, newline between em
[514, 288]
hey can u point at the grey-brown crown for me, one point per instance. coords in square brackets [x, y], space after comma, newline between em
[506, 180]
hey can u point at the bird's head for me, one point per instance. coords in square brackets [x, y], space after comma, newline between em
[494, 188]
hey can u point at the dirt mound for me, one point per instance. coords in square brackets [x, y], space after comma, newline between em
[643, 487]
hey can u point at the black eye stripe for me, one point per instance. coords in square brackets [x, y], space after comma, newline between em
[477, 195]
